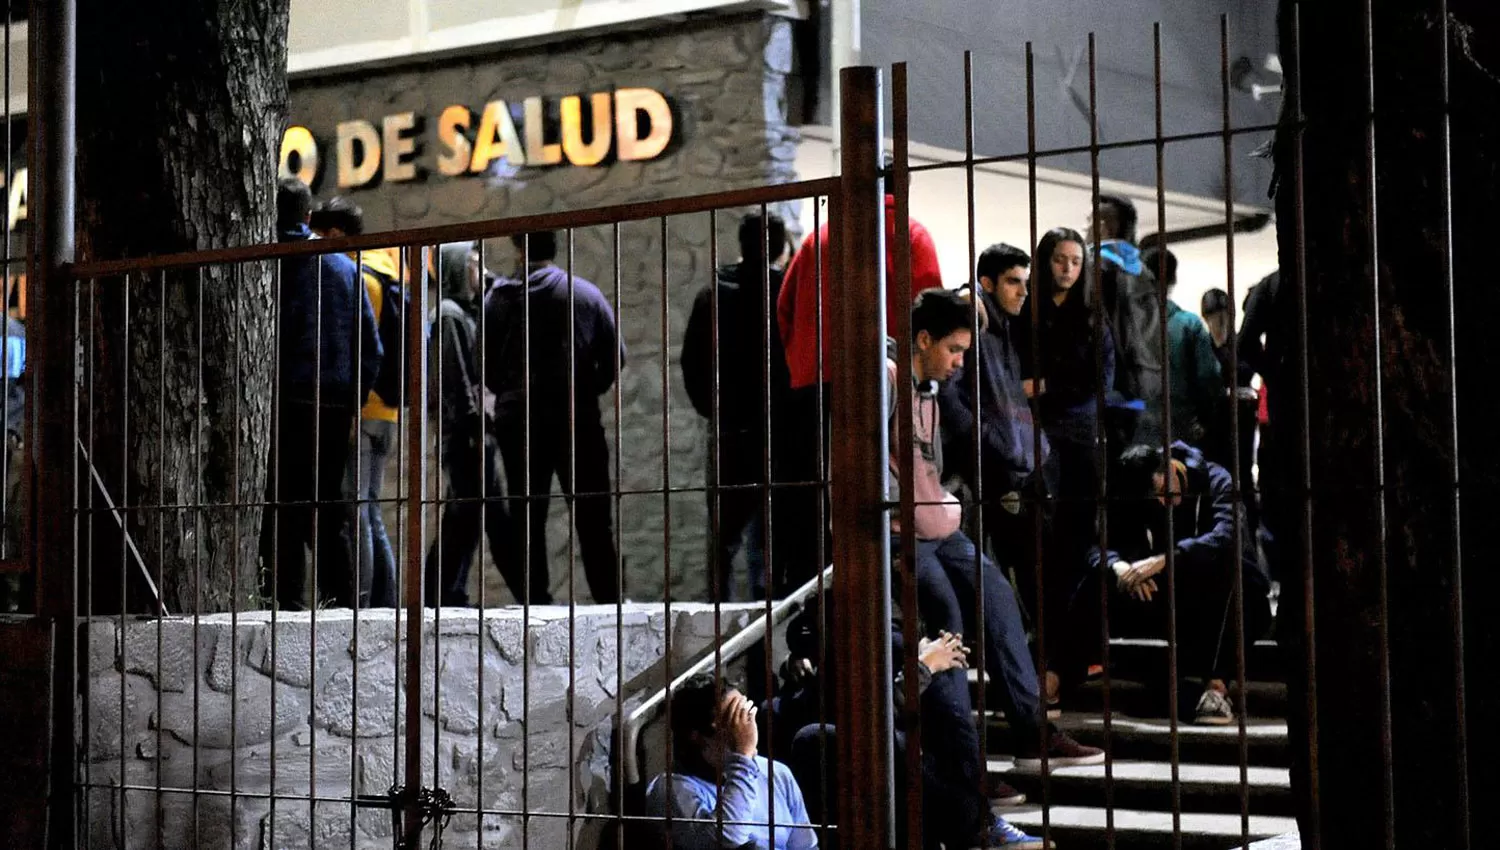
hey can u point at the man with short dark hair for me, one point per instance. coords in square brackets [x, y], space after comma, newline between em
[1127, 289]
[1199, 496]
[321, 309]
[753, 382]
[1197, 387]
[951, 574]
[560, 326]
[714, 740]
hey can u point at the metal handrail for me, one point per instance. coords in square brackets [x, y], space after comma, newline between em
[730, 649]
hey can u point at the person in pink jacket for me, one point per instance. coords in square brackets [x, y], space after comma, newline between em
[954, 580]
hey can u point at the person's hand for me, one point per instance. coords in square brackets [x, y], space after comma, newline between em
[737, 725]
[946, 652]
[797, 671]
[1137, 579]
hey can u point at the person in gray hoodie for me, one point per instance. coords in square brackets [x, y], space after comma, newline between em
[476, 499]
[551, 349]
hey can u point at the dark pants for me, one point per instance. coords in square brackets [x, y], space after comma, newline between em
[469, 464]
[801, 513]
[954, 810]
[951, 587]
[306, 508]
[741, 513]
[548, 453]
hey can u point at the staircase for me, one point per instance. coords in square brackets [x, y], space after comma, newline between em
[1127, 803]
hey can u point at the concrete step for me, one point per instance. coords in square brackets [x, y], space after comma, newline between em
[1147, 786]
[1087, 828]
[1136, 658]
[1151, 739]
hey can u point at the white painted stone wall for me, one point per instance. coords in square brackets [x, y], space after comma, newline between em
[235, 709]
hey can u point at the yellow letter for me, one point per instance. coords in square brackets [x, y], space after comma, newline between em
[496, 118]
[397, 147]
[452, 123]
[353, 174]
[594, 152]
[299, 141]
[538, 152]
[629, 145]
[16, 208]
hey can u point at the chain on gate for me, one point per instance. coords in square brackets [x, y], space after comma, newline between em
[434, 805]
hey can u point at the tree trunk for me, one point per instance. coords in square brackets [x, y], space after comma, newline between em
[180, 113]
[1400, 371]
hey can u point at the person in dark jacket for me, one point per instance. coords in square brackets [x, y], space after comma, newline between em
[1015, 475]
[752, 381]
[550, 333]
[1196, 386]
[1219, 448]
[1209, 544]
[324, 316]
[1127, 291]
[467, 450]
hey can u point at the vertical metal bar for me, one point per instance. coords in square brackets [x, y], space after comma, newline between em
[416, 435]
[666, 499]
[904, 439]
[1033, 301]
[436, 496]
[198, 498]
[819, 488]
[1313, 828]
[619, 539]
[526, 507]
[1237, 597]
[1173, 683]
[234, 577]
[123, 375]
[52, 315]
[359, 490]
[1382, 564]
[486, 459]
[1461, 720]
[274, 515]
[572, 504]
[860, 456]
[768, 642]
[716, 567]
[161, 541]
[1101, 457]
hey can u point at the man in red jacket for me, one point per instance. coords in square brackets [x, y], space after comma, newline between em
[795, 550]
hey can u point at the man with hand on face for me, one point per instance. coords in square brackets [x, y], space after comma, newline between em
[1200, 498]
[714, 739]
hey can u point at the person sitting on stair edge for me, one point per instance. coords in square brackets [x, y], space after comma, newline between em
[945, 568]
[1205, 518]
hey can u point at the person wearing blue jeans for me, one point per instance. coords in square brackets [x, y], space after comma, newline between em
[958, 590]
[377, 439]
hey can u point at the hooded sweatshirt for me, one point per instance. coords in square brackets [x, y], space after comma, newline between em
[451, 347]
[322, 310]
[541, 305]
[938, 514]
[376, 265]
[797, 304]
[1131, 306]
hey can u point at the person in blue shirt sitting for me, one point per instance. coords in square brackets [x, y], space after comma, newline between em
[719, 793]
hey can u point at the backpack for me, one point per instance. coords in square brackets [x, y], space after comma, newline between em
[390, 384]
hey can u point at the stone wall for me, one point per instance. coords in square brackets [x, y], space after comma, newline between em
[726, 76]
[238, 709]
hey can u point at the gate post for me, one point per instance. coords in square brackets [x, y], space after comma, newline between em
[858, 476]
[50, 466]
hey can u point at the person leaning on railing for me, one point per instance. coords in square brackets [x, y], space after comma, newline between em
[714, 741]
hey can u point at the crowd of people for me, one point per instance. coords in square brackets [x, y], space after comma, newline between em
[1042, 390]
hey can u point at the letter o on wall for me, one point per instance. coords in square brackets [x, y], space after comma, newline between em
[299, 141]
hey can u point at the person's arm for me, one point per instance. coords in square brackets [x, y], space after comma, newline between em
[697, 355]
[497, 330]
[1108, 342]
[605, 343]
[956, 412]
[1203, 550]
[371, 351]
[744, 785]
[1256, 314]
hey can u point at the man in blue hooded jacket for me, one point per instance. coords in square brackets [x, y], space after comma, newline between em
[550, 338]
[1132, 307]
[329, 354]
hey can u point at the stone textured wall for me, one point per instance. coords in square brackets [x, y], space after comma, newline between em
[314, 711]
[727, 79]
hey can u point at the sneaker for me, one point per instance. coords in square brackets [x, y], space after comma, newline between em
[1214, 708]
[1001, 793]
[1062, 751]
[1002, 834]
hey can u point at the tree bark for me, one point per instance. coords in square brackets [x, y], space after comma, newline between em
[180, 113]
[1400, 371]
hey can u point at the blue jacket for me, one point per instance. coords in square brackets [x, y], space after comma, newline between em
[1204, 524]
[318, 357]
[1008, 441]
[745, 806]
[595, 343]
[1067, 336]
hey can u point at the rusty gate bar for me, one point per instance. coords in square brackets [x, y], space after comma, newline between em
[52, 306]
[861, 527]
[415, 526]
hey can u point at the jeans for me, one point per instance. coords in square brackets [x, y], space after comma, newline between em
[306, 508]
[377, 438]
[580, 462]
[947, 590]
[741, 515]
[472, 476]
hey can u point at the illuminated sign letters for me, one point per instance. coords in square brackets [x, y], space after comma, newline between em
[633, 124]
